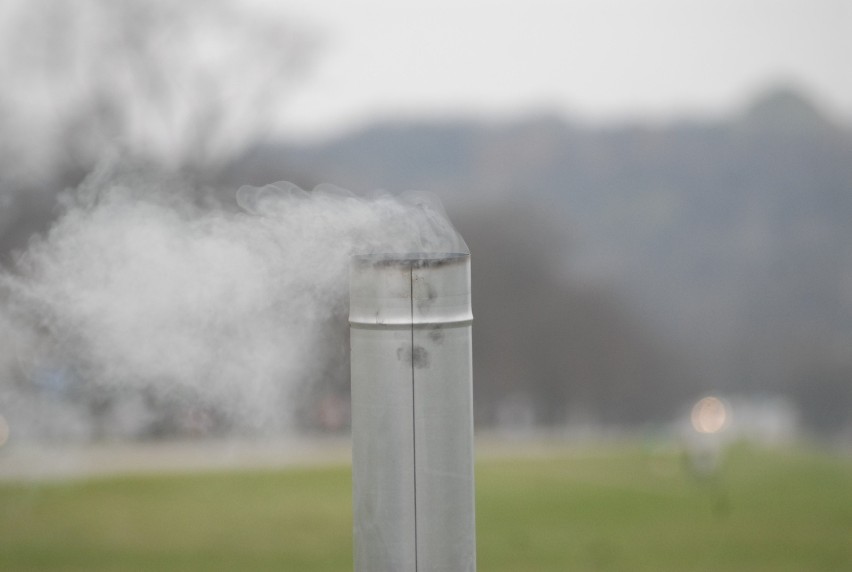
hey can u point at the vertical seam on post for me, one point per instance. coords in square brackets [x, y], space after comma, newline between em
[413, 411]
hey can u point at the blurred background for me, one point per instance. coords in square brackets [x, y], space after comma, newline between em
[657, 196]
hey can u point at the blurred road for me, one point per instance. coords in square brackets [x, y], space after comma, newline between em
[68, 461]
[28, 461]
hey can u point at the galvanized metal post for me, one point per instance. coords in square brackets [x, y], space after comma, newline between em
[412, 413]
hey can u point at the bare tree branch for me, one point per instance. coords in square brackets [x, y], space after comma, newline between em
[184, 84]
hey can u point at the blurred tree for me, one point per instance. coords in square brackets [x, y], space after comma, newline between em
[170, 86]
[824, 396]
[184, 85]
[549, 350]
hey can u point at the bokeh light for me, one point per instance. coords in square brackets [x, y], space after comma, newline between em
[710, 415]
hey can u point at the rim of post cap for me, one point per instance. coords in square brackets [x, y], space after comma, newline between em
[406, 258]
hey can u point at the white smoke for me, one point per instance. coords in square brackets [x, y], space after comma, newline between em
[140, 287]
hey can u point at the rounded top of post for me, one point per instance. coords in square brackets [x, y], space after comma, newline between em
[410, 259]
[390, 289]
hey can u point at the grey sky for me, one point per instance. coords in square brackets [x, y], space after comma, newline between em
[602, 59]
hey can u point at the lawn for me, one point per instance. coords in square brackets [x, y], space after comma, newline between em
[608, 508]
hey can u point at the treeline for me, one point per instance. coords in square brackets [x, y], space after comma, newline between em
[638, 263]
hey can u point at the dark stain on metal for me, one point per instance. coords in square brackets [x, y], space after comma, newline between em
[437, 335]
[425, 295]
[416, 356]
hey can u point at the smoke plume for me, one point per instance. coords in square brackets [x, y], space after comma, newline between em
[146, 296]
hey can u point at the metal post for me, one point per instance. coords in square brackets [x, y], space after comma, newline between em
[412, 414]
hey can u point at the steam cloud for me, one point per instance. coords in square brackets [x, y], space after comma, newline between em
[140, 287]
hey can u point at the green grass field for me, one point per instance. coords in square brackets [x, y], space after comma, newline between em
[612, 508]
